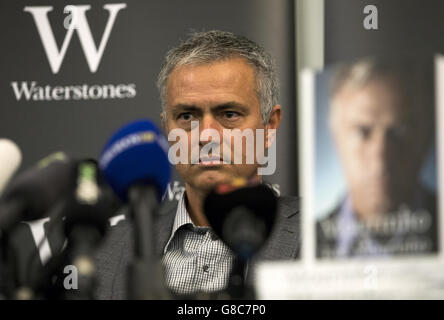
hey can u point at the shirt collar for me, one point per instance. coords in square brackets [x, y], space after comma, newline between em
[182, 218]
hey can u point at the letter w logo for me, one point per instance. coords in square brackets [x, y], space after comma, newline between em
[80, 23]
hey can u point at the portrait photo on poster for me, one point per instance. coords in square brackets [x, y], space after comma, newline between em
[375, 168]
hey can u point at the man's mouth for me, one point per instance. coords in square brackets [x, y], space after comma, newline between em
[210, 161]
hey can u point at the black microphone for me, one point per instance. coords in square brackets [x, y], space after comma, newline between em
[86, 222]
[86, 212]
[91, 204]
[35, 191]
[242, 214]
[135, 164]
[27, 197]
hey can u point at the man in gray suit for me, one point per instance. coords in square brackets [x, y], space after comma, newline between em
[221, 81]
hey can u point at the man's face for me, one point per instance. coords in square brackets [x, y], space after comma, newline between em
[219, 95]
[381, 142]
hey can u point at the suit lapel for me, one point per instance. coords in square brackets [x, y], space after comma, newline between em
[163, 225]
[111, 261]
[284, 240]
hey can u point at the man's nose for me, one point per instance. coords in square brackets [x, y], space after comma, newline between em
[381, 152]
[212, 126]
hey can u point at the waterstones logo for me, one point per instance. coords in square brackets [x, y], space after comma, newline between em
[78, 23]
[32, 91]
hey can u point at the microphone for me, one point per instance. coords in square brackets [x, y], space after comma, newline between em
[136, 154]
[10, 159]
[32, 193]
[90, 205]
[135, 164]
[242, 214]
[87, 212]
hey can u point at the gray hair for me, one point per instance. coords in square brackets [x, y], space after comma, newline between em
[215, 45]
[412, 76]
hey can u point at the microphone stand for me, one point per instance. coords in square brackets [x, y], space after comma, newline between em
[83, 240]
[145, 273]
[244, 241]
[85, 225]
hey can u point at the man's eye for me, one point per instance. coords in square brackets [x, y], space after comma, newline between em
[186, 116]
[364, 132]
[231, 114]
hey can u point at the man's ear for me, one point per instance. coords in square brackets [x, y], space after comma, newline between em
[273, 125]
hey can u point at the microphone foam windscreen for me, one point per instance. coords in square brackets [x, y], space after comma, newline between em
[136, 154]
[242, 217]
[41, 186]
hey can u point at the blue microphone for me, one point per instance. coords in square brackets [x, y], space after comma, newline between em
[135, 164]
[136, 154]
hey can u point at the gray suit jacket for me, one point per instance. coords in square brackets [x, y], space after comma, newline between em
[116, 252]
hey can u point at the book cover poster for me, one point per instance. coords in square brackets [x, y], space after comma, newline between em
[375, 169]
